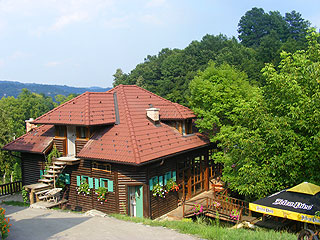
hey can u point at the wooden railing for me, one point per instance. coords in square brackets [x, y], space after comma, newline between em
[10, 188]
[222, 206]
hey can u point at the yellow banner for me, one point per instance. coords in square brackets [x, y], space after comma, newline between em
[284, 214]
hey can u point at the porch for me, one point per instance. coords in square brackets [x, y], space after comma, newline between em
[212, 204]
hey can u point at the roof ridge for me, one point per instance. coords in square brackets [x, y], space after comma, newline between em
[60, 106]
[176, 105]
[130, 126]
[87, 109]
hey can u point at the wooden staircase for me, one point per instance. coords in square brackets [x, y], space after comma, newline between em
[53, 173]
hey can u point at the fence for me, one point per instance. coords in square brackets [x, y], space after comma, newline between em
[10, 188]
[222, 205]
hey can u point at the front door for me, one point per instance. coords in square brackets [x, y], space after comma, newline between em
[135, 201]
[71, 141]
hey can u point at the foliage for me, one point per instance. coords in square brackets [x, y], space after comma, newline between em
[102, 194]
[212, 232]
[257, 24]
[83, 188]
[13, 113]
[4, 224]
[235, 214]
[159, 191]
[16, 174]
[16, 203]
[25, 195]
[53, 154]
[197, 209]
[172, 186]
[269, 136]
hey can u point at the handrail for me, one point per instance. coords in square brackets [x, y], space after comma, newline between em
[221, 204]
[10, 188]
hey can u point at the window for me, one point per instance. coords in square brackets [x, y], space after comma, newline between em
[61, 131]
[108, 184]
[188, 126]
[101, 166]
[82, 132]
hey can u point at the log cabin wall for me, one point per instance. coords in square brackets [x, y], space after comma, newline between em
[80, 144]
[88, 202]
[61, 145]
[160, 206]
[31, 166]
[132, 176]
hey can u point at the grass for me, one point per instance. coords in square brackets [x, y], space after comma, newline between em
[204, 229]
[16, 203]
[212, 231]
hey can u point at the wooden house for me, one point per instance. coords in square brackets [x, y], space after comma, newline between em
[127, 140]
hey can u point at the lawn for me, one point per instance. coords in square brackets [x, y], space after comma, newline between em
[212, 231]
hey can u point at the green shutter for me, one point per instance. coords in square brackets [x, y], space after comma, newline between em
[96, 183]
[161, 180]
[67, 178]
[110, 186]
[174, 176]
[151, 184]
[103, 180]
[90, 180]
[167, 176]
[41, 173]
[78, 180]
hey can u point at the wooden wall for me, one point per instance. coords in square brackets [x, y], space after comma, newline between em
[31, 166]
[160, 206]
[88, 202]
[132, 176]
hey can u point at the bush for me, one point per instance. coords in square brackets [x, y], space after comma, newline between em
[4, 224]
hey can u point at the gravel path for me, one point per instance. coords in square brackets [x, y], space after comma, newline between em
[39, 224]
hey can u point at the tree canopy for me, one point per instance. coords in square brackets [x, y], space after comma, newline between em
[269, 137]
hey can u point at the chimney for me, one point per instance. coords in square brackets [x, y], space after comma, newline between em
[30, 125]
[153, 115]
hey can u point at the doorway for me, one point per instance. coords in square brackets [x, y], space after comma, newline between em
[135, 201]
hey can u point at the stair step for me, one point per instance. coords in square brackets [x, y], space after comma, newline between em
[46, 180]
[49, 176]
[60, 163]
[54, 171]
[56, 167]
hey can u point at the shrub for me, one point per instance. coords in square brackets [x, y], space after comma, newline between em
[4, 224]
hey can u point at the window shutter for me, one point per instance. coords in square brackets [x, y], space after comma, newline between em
[151, 184]
[110, 186]
[90, 180]
[78, 180]
[96, 183]
[67, 178]
[161, 180]
[174, 176]
[167, 176]
[41, 173]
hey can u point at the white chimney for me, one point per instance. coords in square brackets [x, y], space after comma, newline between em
[153, 114]
[30, 125]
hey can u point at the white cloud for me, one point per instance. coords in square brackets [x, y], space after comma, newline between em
[53, 64]
[65, 20]
[151, 19]
[120, 22]
[17, 55]
[155, 3]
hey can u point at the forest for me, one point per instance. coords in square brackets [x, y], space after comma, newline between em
[257, 97]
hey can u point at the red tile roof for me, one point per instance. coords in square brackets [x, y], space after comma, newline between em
[35, 141]
[137, 140]
[132, 140]
[89, 108]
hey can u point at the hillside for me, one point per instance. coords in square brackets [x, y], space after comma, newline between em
[8, 88]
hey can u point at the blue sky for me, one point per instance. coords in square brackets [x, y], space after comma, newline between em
[81, 43]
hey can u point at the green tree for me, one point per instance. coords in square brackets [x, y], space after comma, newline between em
[269, 140]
